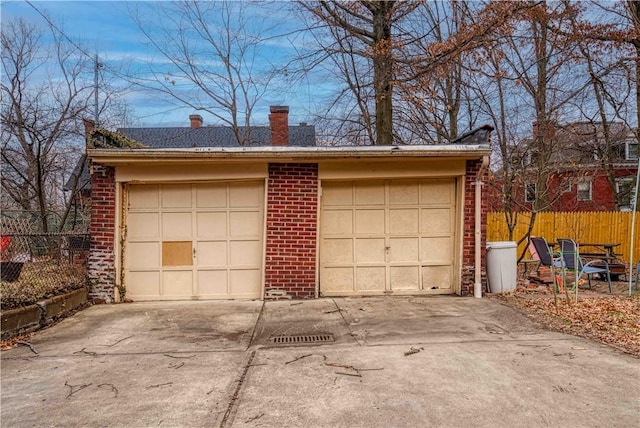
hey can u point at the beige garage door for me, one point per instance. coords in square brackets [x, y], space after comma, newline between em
[387, 236]
[194, 241]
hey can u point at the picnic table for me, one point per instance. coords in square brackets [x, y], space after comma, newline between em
[604, 251]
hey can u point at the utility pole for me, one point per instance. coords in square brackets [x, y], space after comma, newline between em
[96, 112]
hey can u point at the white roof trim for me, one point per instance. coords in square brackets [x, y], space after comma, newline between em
[472, 151]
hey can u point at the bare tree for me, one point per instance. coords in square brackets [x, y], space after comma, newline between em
[364, 29]
[215, 61]
[47, 87]
[43, 97]
[412, 46]
[633, 10]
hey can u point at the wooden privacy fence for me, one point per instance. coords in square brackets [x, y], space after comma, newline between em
[602, 227]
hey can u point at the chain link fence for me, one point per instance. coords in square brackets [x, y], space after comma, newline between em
[36, 265]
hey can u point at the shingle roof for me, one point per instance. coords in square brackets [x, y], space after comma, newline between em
[204, 136]
[215, 136]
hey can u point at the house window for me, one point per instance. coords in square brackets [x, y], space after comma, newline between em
[632, 151]
[584, 190]
[530, 192]
[625, 187]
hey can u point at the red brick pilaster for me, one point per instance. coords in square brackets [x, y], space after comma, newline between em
[468, 232]
[101, 266]
[292, 213]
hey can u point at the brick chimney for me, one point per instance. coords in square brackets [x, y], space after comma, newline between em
[547, 130]
[89, 127]
[196, 120]
[279, 121]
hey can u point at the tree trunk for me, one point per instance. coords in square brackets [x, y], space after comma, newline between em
[383, 73]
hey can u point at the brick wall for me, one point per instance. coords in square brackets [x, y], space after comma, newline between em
[101, 266]
[468, 247]
[292, 210]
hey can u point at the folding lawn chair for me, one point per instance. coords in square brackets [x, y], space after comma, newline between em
[571, 260]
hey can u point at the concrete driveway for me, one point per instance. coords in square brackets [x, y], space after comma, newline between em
[437, 361]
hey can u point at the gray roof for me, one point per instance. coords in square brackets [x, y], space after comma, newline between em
[215, 136]
[204, 136]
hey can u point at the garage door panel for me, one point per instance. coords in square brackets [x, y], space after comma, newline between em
[370, 222]
[404, 221]
[434, 192]
[404, 192]
[336, 194]
[212, 253]
[242, 282]
[144, 197]
[143, 255]
[369, 193]
[144, 225]
[436, 221]
[404, 277]
[370, 250]
[177, 283]
[436, 249]
[245, 224]
[337, 279]
[176, 196]
[436, 277]
[370, 278]
[211, 195]
[244, 253]
[338, 250]
[337, 222]
[147, 283]
[404, 249]
[242, 195]
[212, 282]
[176, 225]
[211, 225]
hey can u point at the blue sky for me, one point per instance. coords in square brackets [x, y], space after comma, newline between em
[108, 29]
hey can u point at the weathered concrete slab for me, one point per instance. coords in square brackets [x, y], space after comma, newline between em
[559, 383]
[442, 361]
[154, 327]
[376, 321]
[132, 390]
[308, 317]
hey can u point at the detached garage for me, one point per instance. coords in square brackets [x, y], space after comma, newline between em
[282, 221]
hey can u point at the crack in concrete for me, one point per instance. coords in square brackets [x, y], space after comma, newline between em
[236, 393]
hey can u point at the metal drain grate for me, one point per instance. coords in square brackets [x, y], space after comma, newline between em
[303, 338]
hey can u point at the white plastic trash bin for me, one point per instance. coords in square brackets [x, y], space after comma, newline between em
[502, 266]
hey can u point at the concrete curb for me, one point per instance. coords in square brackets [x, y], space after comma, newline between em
[34, 317]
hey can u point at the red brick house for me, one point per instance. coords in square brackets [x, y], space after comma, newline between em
[586, 173]
[302, 221]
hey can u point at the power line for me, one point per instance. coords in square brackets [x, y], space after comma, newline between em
[52, 25]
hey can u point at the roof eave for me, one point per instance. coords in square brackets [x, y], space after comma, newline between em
[117, 156]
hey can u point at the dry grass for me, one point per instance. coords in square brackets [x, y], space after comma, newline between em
[40, 280]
